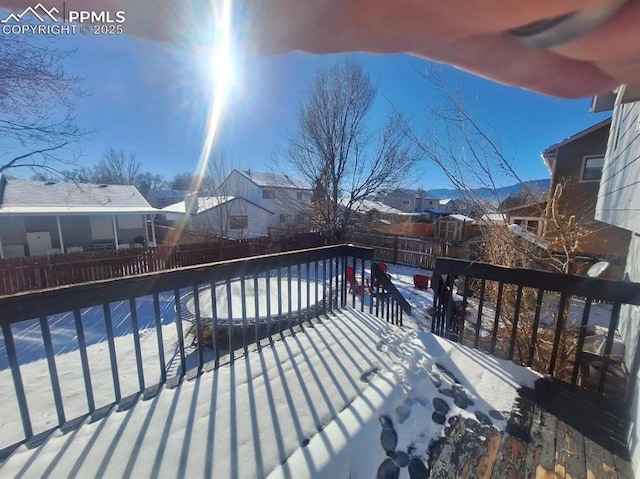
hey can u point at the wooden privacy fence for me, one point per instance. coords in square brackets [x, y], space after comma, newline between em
[402, 250]
[32, 273]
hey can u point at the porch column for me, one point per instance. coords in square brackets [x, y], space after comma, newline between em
[115, 231]
[153, 229]
[146, 228]
[60, 233]
[1, 250]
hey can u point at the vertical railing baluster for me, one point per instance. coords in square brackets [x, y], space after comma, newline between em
[84, 360]
[178, 321]
[363, 284]
[355, 281]
[256, 308]
[559, 328]
[159, 337]
[53, 370]
[198, 326]
[136, 342]
[608, 345]
[476, 339]
[331, 285]
[496, 320]
[514, 329]
[299, 272]
[289, 299]
[387, 298]
[449, 318]
[324, 286]
[378, 300]
[371, 288]
[18, 385]
[317, 300]
[279, 289]
[339, 264]
[536, 323]
[232, 355]
[243, 309]
[268, 294]
[465, 292]
[214, 325]
[581, 336]
[308, 314]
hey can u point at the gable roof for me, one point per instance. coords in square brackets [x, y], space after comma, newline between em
[550, 151]
[273, 180]
[40, 197]
[458, 218]
[206, 203]
[363, 206]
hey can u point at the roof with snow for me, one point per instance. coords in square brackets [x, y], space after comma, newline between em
[445, 202]
[365, 206]
[275, 180]
[458, 217]
[493, 218]
[206, 203]
[24, 197]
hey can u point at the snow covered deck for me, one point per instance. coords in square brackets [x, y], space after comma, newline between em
[348, 396]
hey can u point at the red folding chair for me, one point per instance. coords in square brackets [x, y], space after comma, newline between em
[354, 286]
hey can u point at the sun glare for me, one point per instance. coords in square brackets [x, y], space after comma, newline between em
[221, 74]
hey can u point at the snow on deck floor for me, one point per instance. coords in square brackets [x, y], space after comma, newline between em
[307, 407]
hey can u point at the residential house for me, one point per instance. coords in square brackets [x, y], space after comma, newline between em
[454, 228]
[619, 205]
[288, 198]
[576, 166]
[38, 217]
[409, 200]
[160, 198]
[225, 216]
[448, 205]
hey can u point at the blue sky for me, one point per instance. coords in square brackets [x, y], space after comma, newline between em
[150, 98]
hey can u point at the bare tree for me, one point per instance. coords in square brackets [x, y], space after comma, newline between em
[37, 128]
[334, 150]
[117, 168]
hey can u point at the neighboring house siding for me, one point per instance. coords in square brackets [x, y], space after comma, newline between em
[619, 196]
[579, 197]
[619, 205]
[216, 221]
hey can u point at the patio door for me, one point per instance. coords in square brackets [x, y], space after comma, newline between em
[39, 243]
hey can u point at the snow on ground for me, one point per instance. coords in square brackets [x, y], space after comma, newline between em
[315, 404]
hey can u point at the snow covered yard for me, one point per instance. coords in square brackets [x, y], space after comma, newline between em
[332, 401]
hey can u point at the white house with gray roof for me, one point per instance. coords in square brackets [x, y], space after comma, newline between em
[288, 198]
[227, 216]
[38, 218]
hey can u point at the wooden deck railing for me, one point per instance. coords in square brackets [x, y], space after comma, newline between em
[228, 306]
[536, 318]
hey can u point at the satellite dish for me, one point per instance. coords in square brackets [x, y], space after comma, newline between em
[597, 269]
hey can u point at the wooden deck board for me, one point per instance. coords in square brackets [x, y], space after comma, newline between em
[537, 443]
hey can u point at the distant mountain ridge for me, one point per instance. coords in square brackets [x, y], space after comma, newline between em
[502, 193]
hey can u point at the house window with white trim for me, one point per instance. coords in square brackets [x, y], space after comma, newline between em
[592, 168]
[406, 202]
[268, 194]
[532, 225]
[238, 222]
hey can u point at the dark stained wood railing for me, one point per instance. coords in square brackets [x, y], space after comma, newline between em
[83, 319]
[528, 316]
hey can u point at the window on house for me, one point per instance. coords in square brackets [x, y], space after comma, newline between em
[238, 222]
[406, 202]
[284, 218]
[301, 218]
[268, 194]
[529, 224]
[592, 168]
[300, 195]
